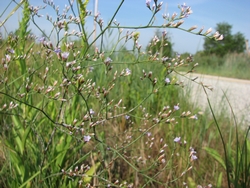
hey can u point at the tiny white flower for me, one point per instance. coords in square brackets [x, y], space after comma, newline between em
[86, 138]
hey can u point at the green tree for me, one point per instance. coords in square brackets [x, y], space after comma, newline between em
[161, 44]
[230, 43]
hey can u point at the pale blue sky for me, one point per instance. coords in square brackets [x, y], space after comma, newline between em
[206, 13]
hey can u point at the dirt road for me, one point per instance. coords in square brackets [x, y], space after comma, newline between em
[236, 90]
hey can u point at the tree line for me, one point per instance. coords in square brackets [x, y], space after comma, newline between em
[231, 42]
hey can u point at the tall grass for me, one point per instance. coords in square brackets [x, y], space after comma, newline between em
[77, 116]
[231, 65]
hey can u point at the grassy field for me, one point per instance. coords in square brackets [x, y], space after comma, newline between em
[231, 65]
[76, 116]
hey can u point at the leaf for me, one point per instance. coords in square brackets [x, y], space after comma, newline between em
[219, 180]
[29, 48]
[25, 136]
[215, 155]
[191, 183]
[90, 173]
[62, 148]
[18, 133]
[52, 109]
[37, 173]
[18, 164]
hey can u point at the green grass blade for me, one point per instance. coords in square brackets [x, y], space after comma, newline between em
[11, 13]
[89, 174]
[18, 133]
[219, 181]
[215, 155]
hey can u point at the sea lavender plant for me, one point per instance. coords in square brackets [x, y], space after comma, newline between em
[77, 115]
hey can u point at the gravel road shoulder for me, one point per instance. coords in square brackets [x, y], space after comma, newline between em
[236, 90]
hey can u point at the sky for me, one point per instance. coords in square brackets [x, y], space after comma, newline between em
[206, 13]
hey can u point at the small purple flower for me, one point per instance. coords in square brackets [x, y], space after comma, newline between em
[167, 80]
[185, 11]
[148, 3]
[42, 39]
[176, 107]
[65, 55]
[184, 6]
[165, 16]
[159, 6]
[91, 112]
[177, 139]
[86, 138]
[192, 154]
[164, 33]
[58, 50]
[127, 117]
[149, 134]
[128, 72]
[91, 69]
[7, 57]
[164, 59]
[193, 157]
[108, 60]
[11, 51]
[185, 15]
[192, 151]
[153, 7]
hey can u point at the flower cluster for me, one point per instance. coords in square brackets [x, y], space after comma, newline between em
[192, 154]
[185, 11]
[156, 7]
[11, 106]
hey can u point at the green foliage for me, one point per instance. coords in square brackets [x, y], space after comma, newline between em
[82, 8]
[236, 160]
[215, 154]
[22, 36]
[232, 65]
[230, 43]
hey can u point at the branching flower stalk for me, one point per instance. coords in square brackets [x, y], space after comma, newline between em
[88, 117]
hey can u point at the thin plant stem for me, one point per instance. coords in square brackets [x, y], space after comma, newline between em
[221, 137]
[108, 26]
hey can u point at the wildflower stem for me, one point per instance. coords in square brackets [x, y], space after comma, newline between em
[39, 28]
[108, 26]
[73, 11]
[157, 27]
[221, 136]
[132, 166]
[151, 20]
[36, 108]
